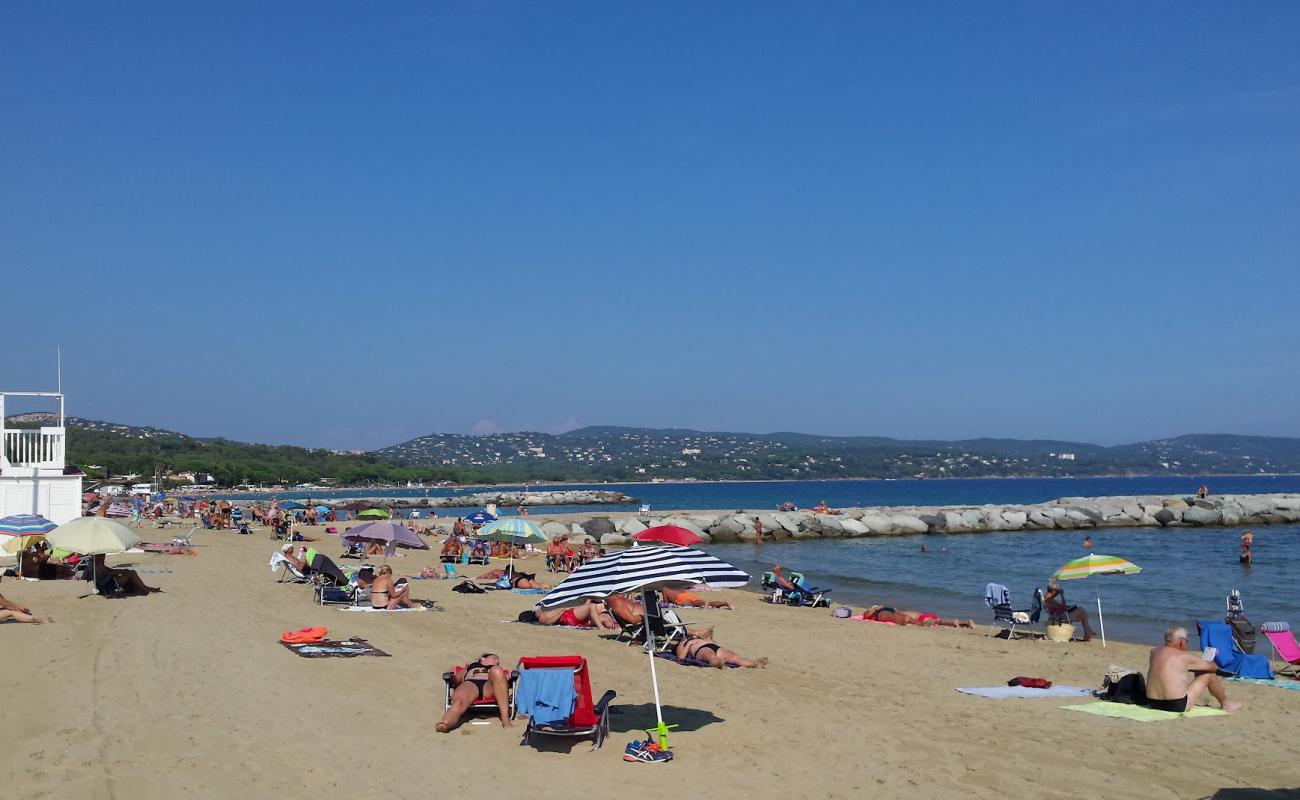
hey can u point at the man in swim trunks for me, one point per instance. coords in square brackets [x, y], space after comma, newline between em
[482, 680]
[681, 597]
[710, 652]
[589, 614]
[1169, 688]
[631, 612]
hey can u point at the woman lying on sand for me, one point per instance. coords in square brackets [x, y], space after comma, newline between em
[715, 655]
[909, 617]
[519, 580]
[10, 610]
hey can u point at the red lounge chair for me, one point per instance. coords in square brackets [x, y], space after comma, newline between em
[481, 704]
[587, 719]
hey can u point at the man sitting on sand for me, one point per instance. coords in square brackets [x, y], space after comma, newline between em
[112, 581]
[11, 611]
[681, 597]
[387, 594]
[1170, 688]
[710, 652]
[482, 680]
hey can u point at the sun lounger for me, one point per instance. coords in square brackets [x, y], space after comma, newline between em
[1284, 647]
[998, 598]
[288, 572]
[184, 539]
[481, 704]
[550, 684]
[1230, 658]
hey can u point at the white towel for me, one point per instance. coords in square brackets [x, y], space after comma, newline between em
[1003, 692]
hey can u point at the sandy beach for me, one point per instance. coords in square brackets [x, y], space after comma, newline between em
[188, 693]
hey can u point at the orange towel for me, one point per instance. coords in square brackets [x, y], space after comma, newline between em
[304, 636]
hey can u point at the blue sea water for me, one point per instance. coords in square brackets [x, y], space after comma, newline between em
[1185, 576]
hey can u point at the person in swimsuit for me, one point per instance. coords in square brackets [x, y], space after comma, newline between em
[911, 617]
[481, 680]
[11, 611]
[589, 614]
[1054, 602]
[109, 580]
[715, 655]
[386, 594]
[681, 597]
[1170, 688]
[1247, 539]
[631, 613]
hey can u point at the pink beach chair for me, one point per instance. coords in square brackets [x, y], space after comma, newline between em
[1285, 646]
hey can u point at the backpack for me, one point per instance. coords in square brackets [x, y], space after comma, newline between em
[1244, 632]
[1120, 686]
[468, 587]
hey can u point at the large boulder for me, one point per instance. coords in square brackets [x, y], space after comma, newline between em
[830, 526]
[1014, 520]
[769, 523]
[613, 540]
[597, 527]
[1176, 504]
[974, 519]
[953, 522]
[1166, 516]
[790, 521]
[1038, 518]
[1081, 518]
[933, 522]
[853, 527]
[1085, 512]
[631, 526]
[906, 523]
[877, 524]
[553, 529]
[1199, 515]
[730, 526]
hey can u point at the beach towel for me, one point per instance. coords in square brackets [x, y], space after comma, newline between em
[995, 594]
[1229, 657]
[1003, 692]
[540, 625]
[546, 695]
[1142, 713]
[346, 648]
[383, 610]
[528, 591]
[1280, 683]
[690, 662]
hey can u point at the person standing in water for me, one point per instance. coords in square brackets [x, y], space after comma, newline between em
[1247, 539]
[758, 536]
[1087, 542]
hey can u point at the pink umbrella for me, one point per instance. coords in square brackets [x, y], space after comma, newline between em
[668, 534]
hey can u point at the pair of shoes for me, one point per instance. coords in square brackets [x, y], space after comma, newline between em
[646, 752]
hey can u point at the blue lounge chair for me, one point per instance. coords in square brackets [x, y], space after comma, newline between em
[1230, 658]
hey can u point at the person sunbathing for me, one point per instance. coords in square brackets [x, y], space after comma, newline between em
[388, 594]
[588, 615]
[479, 551]
[481, 680]
[113, 581]
[911, 617]
[697, 648]
[1171, 688]
[518, 580]
[1054, 602]
[11, 611]
[631, 613]
[681, 597]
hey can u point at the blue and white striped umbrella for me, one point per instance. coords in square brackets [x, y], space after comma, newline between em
[643, 568]
[25, 525]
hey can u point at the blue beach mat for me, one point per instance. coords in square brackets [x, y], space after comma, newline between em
[1003, 692]
[1275, 682]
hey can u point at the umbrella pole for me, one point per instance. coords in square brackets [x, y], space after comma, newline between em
[1101, 621]
[660, 730]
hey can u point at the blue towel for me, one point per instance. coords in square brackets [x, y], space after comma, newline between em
[1230, 658]
[546, 695]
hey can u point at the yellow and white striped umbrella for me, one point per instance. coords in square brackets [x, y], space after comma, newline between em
[1093, 564]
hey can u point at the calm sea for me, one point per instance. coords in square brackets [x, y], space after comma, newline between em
[1186, 572]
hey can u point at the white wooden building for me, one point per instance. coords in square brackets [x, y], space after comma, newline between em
[34, 476]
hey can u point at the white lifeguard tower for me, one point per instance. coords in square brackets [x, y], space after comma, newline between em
[34, 478]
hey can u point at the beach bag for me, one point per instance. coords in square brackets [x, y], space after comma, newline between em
[1124, 686]
[1244, 633]
[468, 587]
[1060, 632]
[503, 582]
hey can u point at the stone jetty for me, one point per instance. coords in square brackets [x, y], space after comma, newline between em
[1067, 513]
[574, 497]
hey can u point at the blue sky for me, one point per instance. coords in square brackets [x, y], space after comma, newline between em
[344, 225]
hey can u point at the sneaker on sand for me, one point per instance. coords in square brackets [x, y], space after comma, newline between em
[646, 752]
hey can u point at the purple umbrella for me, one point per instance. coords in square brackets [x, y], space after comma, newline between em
[388, 533]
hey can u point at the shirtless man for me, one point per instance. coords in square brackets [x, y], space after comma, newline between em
[710, 652]
[12, 611]
[386, 594]
[589, 614]
[128, 581]
[482, 680]
[631, 612]
[1169, 688]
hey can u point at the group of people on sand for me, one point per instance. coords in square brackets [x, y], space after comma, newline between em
[383, 590]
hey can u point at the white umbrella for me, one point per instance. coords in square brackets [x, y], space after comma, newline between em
[644, 569]
[93, 536]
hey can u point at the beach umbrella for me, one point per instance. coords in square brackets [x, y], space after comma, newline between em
[515, 530]
[23, 524]
[668, 534]
[373, 513]
[322, 509]
[1093, 564]
[389, 533]
[93, 536]
[644, 569]
[480, 518]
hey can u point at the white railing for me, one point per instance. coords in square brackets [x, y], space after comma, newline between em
[43, 448]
